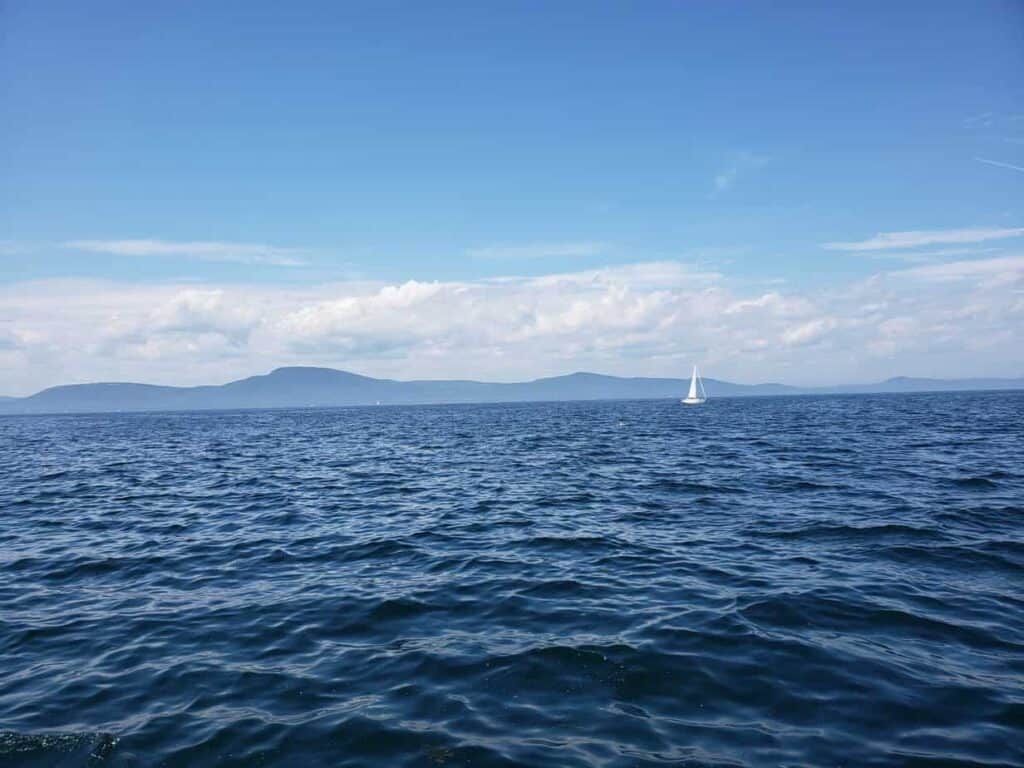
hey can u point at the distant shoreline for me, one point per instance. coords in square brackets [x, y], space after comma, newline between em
[328, 388]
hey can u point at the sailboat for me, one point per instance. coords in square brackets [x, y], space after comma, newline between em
[697, 395]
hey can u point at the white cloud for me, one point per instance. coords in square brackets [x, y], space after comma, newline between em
[538, 250]
[649, 274]
[203, 310]
[243, 253]
[641, 319]
[809, 332]
[918, 238]
[775, 302]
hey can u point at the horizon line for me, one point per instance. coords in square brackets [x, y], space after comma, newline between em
[681, 378]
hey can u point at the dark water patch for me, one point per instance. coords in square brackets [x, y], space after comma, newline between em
[53, 750]
[968, 560]
[974, 483]
[886, 532]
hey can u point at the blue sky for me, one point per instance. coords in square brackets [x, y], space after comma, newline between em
[264, 151]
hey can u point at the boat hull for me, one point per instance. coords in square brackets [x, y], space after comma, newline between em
[693, 400]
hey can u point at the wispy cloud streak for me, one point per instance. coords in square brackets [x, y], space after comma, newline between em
[1000, 164]
[918, 238]
[1005, 268]
[538, 250]
[205, 250]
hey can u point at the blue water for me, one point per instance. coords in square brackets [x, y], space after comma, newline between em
[777, 581]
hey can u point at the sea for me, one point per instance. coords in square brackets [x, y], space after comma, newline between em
[775, 581]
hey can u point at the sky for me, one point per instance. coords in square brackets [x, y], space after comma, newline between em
[806, 192]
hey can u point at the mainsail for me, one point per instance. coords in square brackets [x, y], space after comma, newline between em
[696, 394]
[693, 385]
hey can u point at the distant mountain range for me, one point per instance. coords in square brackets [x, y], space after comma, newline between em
[324, 387]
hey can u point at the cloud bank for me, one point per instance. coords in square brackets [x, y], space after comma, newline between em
[643, 319]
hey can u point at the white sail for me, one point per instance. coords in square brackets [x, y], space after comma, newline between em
[696, 395]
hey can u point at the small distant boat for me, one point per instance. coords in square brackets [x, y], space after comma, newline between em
[697, 395]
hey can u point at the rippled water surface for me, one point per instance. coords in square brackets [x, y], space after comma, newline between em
[772, 581]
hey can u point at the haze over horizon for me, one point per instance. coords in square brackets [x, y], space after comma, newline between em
[814, 196]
